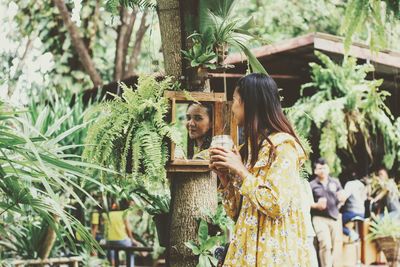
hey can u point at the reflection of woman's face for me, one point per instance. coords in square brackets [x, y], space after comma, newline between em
[383, 174]
[238, 108]
[198, 122]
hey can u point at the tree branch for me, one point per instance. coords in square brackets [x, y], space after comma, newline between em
[137, 46]
[21, 63]
[127, 39]
[78, 44]
[124, 32]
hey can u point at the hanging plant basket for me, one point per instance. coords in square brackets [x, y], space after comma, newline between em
[162, 225]
[391, 248]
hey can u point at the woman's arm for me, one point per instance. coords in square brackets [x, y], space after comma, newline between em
[129, 233]
[273, 190]
[381, 195]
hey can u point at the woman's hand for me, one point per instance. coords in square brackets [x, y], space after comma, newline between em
[222, 176]
[136, 243]
[222, 158]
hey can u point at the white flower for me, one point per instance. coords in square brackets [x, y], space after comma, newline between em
[250, 259]
[251, 220]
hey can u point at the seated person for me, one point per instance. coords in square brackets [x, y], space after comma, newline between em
[386, 195]
[354, 206]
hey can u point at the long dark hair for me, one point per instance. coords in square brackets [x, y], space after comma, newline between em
[208, 136]
[263, 113]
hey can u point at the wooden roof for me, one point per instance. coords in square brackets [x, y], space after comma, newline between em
[288, 63]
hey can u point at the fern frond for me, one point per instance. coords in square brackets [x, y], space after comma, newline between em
[132, 128]
[346, 109]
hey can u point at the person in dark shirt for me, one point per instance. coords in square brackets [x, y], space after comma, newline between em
[328, 196]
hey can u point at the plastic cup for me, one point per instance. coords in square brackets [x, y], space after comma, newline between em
[224, 141]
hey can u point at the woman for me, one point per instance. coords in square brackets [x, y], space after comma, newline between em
[118, 231]
[264, 195]
[199, 126]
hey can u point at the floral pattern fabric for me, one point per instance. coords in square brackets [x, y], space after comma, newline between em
[270, 229]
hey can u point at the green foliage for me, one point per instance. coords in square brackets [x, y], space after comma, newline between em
[345, 107]
[201, 53]
[145, 229]
[294, 18]
[370, 14]
[113, 5]
[61, 113]
[152, 203]
[205, 246]
[220, 219]
[218, 30]
[36, 180]
[387, 226]
[132, 129]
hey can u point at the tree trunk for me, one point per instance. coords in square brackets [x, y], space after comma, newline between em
[170, 28]
[78, 43]
[48, 240]
[133, 62]
[192, 193]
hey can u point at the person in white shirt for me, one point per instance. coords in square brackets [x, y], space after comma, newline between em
[307, 201]
[354, 206]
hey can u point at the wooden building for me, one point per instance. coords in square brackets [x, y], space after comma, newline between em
[288, 63]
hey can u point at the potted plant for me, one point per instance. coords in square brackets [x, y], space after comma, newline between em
[219, 30]
[386, 233]
[157, 205]
[201, 57]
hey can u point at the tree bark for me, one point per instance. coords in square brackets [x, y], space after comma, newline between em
[170, 28]
[133, 62]
[78, 43]
[124, 32]
[48, 240]
[192, 193]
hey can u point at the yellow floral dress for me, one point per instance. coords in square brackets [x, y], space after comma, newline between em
[270, 229]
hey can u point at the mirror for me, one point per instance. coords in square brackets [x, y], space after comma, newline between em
[198, 116]
[195, 121]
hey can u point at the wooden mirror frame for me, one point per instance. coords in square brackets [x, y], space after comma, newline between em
[176, 97]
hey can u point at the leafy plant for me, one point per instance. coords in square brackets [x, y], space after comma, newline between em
[219, 28]
[36, 178]
[113, 5]
[132, 129]
[221, 220]
[372, 14]
[387, 226]
[201, 53]
[205, 246]
[152, 203]
[347, 110]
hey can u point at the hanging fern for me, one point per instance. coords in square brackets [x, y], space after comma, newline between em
[345, 107]
[132, 129]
